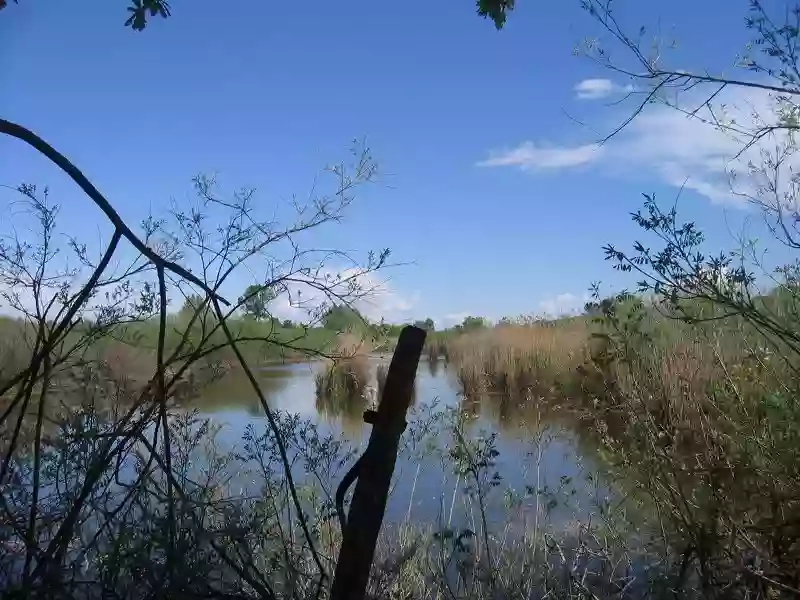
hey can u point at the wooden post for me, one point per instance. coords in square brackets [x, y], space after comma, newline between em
[375, 470]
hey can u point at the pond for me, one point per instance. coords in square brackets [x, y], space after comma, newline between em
[539, 448]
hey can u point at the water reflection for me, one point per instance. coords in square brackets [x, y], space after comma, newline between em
[425, 481]
[470, 406]
[434, 365]
[518, 415]
[345, 404]
[343, 408]
[233, 392]
[422, 480]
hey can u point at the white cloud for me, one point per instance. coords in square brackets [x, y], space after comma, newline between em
[675, 149]
[378, 299]
[387, 303]
[592, 89]
[451, 319]
[595, 89]
[562, 305]
[529, 156]
[684, 151]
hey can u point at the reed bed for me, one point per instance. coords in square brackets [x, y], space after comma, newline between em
[517, 359]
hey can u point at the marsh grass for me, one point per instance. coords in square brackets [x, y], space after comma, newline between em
[437, 346]
[526, 553]
[342, 385]
[701, 435]
[14, 354]
[523, 554]
[515, 359]
[347, 377]
[697, 429]
[285, 343]
[697, 426]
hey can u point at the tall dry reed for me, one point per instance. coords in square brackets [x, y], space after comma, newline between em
[341, 385]
[517, 359]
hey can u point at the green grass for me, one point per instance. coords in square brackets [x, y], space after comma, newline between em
[288, 343]
[130, 350]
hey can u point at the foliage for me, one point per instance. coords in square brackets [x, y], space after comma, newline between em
[97, 486]
[345, 377]
[689, 393]
[255, 301]
[436, 345]
[736, 320]
[140, 10]
[695, 422]
[341, 318]
[471, 323]
[515, 360]
[427, 324]
[496, 10]
[696, 425]
[191, 304]
[715, 490]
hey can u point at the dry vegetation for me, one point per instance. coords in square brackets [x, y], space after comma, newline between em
[512, 359]
[110, 489]
[342, 383]
[698, 426]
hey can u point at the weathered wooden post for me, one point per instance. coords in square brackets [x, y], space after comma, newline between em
[374, 470]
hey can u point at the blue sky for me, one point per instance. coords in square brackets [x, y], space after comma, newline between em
[492, 191]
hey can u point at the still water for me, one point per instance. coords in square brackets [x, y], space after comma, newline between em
[538, 449]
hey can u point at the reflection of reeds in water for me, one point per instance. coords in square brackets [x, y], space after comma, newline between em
[341, 387]
[381, 371]
[433, 365]
[470, 405]
[436, 347]
[344, 389]
[233, 391]
[516, 414]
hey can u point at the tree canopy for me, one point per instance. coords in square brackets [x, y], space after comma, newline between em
[427, 324]
[343, 318]
[255, 299]
[139, 11]
[191, 304]
[470, 323]
[496, 10]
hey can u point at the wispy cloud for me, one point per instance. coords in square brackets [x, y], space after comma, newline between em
[684, 151]
[594, 89]
[529, 156]
[671, 147]
[377, 299]
[562, 305]
[388, 303]
[451, 319]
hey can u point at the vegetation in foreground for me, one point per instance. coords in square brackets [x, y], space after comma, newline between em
[108, 490]
[697, 425]
[696, 420]
[695, 417]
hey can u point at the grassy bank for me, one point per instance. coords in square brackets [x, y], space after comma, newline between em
[131, 348]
